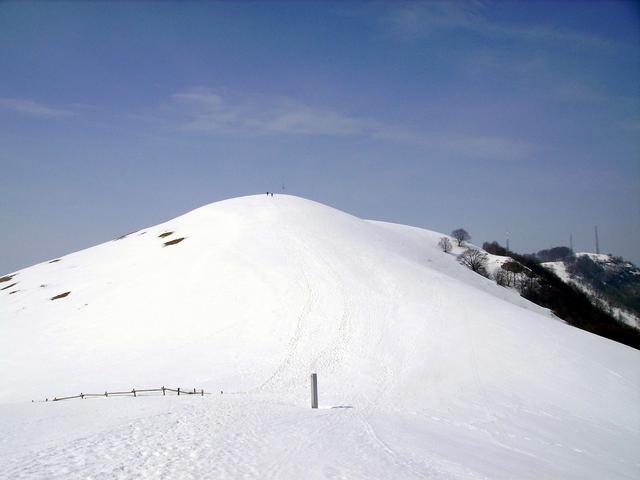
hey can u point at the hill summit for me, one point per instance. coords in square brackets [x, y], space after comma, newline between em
[250, 295]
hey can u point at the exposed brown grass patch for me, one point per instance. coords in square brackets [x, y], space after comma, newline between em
[9, 286]
[6, 278]
[173, 242]
[56, 260]
[126, 235]
[165, 234]
[62, 295]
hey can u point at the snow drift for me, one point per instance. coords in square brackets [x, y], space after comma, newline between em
[454, 376]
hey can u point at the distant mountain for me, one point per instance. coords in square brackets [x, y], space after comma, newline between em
[599, 295]
[612, 283]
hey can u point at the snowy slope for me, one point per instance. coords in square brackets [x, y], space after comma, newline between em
[560, 269]
[448, 375]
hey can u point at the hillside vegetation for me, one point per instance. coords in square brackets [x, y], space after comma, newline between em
[571, 303]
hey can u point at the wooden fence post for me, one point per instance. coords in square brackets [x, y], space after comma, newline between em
[314, 390]
[84, 396]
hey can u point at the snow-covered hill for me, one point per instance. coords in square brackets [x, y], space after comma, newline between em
[612, 279]
[447, 374]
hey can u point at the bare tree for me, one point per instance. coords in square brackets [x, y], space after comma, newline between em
[461, 235]
[528, 282]
[475, 260]
[445, 244]
[501, 277]
[513, 271]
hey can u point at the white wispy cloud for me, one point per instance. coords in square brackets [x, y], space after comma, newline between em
[32, 108]
[209, 111]
[469, 146]
[422, 19]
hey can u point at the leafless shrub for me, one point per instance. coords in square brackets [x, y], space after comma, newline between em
[475, 260]
[445, 244]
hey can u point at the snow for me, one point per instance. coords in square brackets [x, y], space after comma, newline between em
[560, 269]
[440, 373]
[596, 257]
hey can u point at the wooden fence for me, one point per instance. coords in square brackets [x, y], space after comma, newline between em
[134, 392]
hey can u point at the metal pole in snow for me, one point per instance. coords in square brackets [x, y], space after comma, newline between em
[314, 390]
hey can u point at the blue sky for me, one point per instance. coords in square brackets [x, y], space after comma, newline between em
[519, 117]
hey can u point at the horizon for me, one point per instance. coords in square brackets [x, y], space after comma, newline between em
[276, 194]
[475, 243]
[511, 120]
